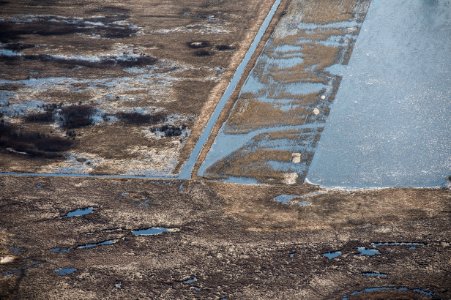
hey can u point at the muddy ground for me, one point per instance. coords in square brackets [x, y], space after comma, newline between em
[223, 241]
[114, 88]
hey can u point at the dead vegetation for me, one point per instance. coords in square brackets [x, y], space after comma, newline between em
[135, 118]
[120, 59]
[33, 144]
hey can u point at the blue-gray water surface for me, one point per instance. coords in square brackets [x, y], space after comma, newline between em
[80, 212]
[389, 125]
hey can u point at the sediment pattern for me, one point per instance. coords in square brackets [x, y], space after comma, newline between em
[273, 128]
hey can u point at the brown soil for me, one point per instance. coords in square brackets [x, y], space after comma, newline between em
[228, 240]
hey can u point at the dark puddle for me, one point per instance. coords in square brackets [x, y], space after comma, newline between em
[137, 118]
[150, 231]
[285, 198]
[389, 292]
[169, 130]
[94, 245]
[65, 271]
[367, 252]
[224, 47]
[35, 144]
[332, 254]
[190, 280]
[374, 274]
[60, 250]
[79, 212]
[409, 245]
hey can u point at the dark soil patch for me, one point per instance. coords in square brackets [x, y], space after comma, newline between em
[198, 44]
[103, 62]
[170, 130]
[10, 87]
[224, 47]
[137, 118]
[45, 117]
[203, 52]
[109, 10]
[18, 46]
[11, 30]
[76, 116]
[35, 144]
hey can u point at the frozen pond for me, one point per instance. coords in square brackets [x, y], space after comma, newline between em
[389, 125]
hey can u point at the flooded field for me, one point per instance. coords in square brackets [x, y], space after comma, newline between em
[390, 123]
[273, 128]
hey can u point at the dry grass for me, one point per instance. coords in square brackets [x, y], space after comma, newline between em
[250, 114]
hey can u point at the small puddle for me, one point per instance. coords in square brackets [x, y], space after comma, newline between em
[409, 245]
[60, 250]
[332, 254]
[190, 281]
[389, 292]
[285, 199]
[65, 271]
[94, 245]
[79, 212]
[152, 231]
[374, 274]
[368, 252]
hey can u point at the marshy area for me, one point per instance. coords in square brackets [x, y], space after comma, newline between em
[123, 86]
[159, 150]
